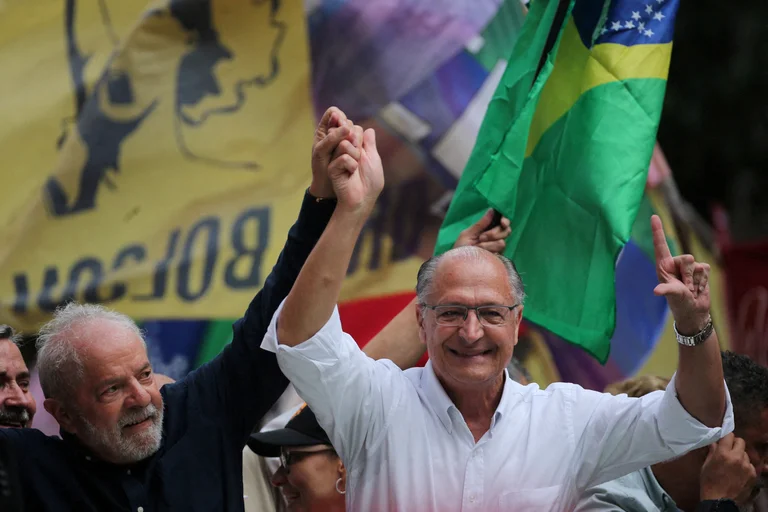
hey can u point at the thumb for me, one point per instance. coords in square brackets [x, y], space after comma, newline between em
[369, 141]
[666, 289]
[481, 225]
[711, 450]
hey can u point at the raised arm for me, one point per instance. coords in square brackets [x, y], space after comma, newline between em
[240, 385]
[684, 282]
[399, 340]
[357, 183]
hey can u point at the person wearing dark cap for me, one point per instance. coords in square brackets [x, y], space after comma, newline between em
[311, 475]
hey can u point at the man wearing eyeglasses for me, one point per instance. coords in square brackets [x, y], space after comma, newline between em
[459, 434]
[311, 475]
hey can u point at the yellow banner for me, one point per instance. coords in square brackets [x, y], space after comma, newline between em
[154, 156]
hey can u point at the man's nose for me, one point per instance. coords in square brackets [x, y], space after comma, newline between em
[139, 396]
[279, 478]
[472, 329]
[17, 397]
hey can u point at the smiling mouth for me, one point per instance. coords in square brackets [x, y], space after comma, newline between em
[470, 355]
[290, 498]
[138, 423]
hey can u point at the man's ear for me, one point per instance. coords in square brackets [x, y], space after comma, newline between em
[62, 415]
[420, 310]
[519, 313]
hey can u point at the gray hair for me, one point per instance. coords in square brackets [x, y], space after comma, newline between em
[470, 252]
[7, 333]
[58, 362]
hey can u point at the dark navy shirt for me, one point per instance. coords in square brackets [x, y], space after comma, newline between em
[208, 417]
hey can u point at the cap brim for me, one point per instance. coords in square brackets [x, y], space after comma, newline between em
[268, 444]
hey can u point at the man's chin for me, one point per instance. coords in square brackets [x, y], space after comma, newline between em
[475, 375]
[15, 425]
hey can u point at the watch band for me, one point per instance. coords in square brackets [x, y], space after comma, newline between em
[696, 339]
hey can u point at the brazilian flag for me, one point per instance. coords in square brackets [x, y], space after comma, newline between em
[564, 151]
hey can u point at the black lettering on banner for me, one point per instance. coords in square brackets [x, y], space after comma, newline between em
[21, 287]
[410, 214]
[375, 227]
[401, 212]
[160, 276]
[90, 266]
[211, 225]
[256, 221]
[135, 252]
[45, 301]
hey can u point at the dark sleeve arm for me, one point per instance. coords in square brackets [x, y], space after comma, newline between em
[241, 384]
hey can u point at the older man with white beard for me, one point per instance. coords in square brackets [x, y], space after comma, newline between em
[126, 444]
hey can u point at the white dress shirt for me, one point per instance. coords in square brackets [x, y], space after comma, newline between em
[407, 447]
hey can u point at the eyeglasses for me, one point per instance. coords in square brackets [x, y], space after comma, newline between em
[287, 458]
[454, 315]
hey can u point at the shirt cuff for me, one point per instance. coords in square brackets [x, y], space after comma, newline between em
[678, 425]
[331, 330]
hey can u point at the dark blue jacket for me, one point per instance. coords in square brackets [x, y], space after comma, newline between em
[208, 417]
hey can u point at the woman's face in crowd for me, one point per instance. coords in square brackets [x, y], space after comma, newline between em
[308, 478]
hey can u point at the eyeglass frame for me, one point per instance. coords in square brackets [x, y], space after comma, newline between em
[286, 456]
[467, 309]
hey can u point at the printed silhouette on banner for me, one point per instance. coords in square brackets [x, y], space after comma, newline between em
[188, 47]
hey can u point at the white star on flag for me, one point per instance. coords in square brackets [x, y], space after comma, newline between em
[636, 15]
[641, 27]
[659, 16]
[649, 9]
[659, 1]
[616, 25]
[629, 24]
[649, 33]
[603, 31]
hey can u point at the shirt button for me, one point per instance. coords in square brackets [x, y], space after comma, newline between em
[129, 472]
[140, 509]
[88, 457]
[471, 498]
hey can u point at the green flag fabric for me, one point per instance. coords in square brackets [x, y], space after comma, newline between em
[564, 154]
[217, 336]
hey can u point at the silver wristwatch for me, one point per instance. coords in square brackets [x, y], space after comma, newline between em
[696, 339]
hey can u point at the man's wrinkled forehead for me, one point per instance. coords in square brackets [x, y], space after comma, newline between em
[482, 270]
[11, 360]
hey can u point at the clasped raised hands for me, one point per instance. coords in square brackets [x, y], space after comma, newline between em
[346, 163]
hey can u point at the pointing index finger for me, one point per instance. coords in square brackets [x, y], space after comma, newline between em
[660, 247]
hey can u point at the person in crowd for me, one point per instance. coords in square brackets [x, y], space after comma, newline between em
[398, 342]
[17, 405]
[311, 476]
[459, 434]
[127, 445]
[732, 470]
[639, 386]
